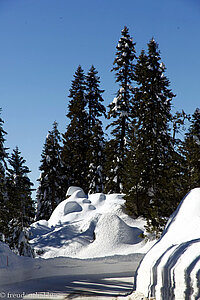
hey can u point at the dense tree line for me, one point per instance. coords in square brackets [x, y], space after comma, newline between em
[17, 210]
[142, 156]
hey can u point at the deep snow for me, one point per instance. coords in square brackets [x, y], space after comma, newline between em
[88, 244]
[91, 246]
[68, 276]
[89, 226]
[171, 269]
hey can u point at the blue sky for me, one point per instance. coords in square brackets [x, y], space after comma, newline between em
[42, 42]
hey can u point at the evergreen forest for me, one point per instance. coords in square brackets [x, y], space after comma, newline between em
[140, 153]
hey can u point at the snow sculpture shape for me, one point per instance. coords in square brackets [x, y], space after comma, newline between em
[86, 201]
[171, 269]
[71, 207]
[73, 189]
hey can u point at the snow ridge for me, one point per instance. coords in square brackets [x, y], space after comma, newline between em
[171, 269]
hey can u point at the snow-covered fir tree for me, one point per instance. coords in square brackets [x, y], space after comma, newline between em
[96, 159]
[76, 137]
[94, 97]
[51, 190]
[178, 183]
[119, 110]
[151, 150]
[20, 205]
[192, 151]
[3, 190]
[96, 140]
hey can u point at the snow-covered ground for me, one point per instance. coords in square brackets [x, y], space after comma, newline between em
[40, 278]
[88, 244]
[171, 269]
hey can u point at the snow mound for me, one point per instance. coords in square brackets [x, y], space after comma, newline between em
[88, 226]
[171, 269]
[72, 189]
[112, 230]
[8, 261]
[6, 255]
[112, 236]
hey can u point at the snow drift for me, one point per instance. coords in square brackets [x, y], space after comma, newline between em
[89, 226]
[85, 236]
[171, 269]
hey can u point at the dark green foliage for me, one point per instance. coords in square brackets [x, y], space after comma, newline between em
[114, 176]
[151, 148]
[96, 160]
[76, 137]
[120, 108]
[94, 98]
[51, 190]
[192, 151]
[20, 205]
[96, 109]
[3, 189]
[177, 170]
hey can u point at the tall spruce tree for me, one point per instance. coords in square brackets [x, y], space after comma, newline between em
[192, 151]
[135, 182]
[96, 136]
[20, 204]
[3, 190]
[152, 151]
[76, 137]
[120, 109]
[178, 183]
[94, 97]
[51, 190]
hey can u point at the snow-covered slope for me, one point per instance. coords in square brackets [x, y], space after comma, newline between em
[89, 226]
[171, 269]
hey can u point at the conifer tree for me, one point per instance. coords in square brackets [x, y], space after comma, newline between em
[111, 167]
[96, 136]
[152, 151]
[51, 190]
[96, 159]
[119, 109]
[20, 204]
[94, 97]
[76, 137]
[192, 151]
[178, 183]
[3, 191]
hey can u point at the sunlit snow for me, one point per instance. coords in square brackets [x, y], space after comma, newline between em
[89, 226]
[171, 269]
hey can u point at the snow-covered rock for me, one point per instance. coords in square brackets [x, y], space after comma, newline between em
[171, 269]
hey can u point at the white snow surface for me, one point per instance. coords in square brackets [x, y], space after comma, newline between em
[88, 227]
[171, 269]
[89, 245]
[62, 277]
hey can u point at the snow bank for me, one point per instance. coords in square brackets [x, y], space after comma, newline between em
[15, 268]
[89, 226]
[112, 236]
[171, 269]
[84, 235]
[12, 267]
